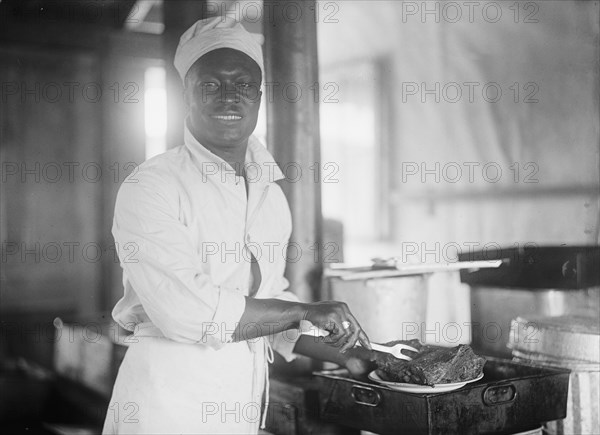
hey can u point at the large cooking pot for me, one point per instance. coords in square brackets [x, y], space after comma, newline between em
[572, 342]
[387, 308]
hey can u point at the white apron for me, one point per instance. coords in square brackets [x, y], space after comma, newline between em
[168, 387]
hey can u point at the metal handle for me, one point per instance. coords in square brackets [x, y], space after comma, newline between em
[381, 348]
[569, 269]
[499, 394]
[365, 395]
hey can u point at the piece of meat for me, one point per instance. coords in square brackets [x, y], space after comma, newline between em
[432, 365]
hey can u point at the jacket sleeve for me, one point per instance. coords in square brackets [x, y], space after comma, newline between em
[159, 258]
[284, 342]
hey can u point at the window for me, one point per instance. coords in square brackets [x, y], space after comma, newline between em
[353, 147]
[155, 111]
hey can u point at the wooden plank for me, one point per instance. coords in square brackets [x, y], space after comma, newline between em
[178, 15]
[294, 409]
[293, 134]
[52, 35]
[49, 130]
[531, 193]
[124, 141]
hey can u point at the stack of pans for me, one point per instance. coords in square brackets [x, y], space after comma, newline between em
[570, 342]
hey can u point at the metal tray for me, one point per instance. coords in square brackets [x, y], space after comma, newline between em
[511, 397]
[536, 267]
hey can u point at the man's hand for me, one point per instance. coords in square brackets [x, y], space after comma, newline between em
[270, 316]
[359, 365]
[358, 360]
[336, 318]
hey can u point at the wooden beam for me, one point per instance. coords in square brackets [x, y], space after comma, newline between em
[124, 10]
[52, 35]
[530, 194]
[106, 13]
[138, 13]
[178, 16]
[293, 134]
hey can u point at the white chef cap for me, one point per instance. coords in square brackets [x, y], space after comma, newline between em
[211, 34]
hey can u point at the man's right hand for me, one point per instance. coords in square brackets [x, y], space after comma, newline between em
[270, 316]
[336, 318]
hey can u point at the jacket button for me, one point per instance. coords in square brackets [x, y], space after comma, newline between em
[247, 237]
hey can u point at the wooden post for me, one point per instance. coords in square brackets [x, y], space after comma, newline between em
[178, 16]
[293, 132]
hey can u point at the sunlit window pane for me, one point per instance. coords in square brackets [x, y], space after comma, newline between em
[155, 111]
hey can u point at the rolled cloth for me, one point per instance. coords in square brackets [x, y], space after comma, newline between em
[211, 34]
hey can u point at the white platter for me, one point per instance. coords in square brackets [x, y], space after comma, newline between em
[421, 389]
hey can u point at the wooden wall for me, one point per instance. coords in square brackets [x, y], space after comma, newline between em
[51, 200]
[72, 128]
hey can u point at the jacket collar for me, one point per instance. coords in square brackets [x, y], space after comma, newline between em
[260, 164]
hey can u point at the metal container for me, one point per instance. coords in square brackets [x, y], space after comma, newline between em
[511, 397]
[89, 352]
[26, 389]
[536, 267]
[571, 342]
[387, 308]
[535, 431]
[493, 308]
[568, 341]
[533, 280]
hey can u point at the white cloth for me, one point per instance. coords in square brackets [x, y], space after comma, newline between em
[182, 226]
[167, 387]
[211, 34]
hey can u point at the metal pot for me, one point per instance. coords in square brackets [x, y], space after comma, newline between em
[493, 308]
[387, 308]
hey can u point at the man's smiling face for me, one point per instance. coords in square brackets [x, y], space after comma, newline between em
[222, 92]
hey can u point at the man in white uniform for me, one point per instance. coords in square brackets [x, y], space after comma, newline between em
[201, 232]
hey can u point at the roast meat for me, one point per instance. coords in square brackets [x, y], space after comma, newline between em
[431, 365]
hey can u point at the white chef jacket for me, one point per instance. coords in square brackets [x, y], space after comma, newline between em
[184, 227]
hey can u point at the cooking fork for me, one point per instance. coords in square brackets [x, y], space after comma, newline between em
[395, 350]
